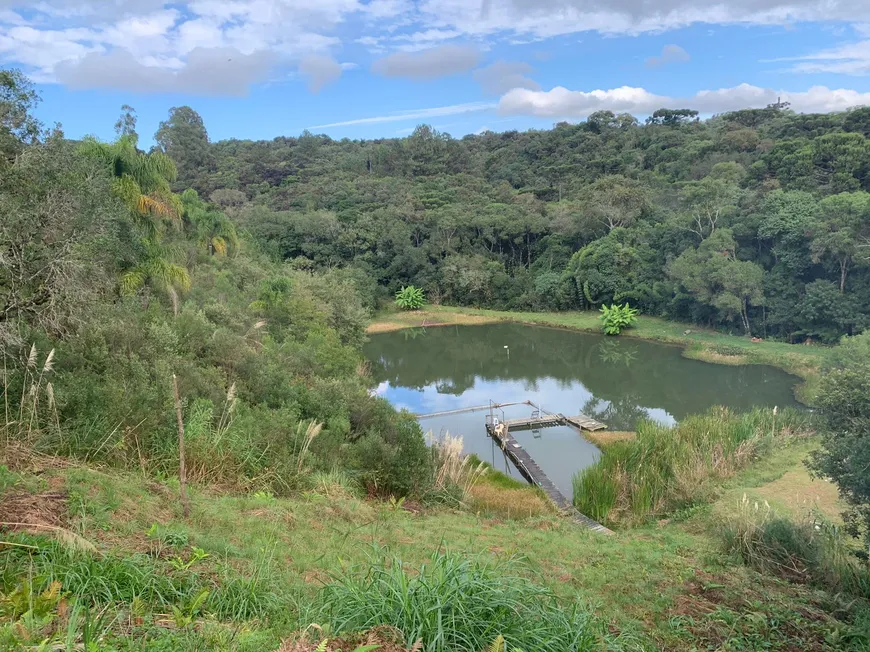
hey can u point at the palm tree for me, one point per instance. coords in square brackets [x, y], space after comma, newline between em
[156, 270]
[142, 180]
[214, 230]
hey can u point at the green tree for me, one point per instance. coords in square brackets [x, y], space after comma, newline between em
[709, 202]
[18, 126]
[183, 138]
[844, 400]
[843, 224]
[616, 201]
[714, 276]
[59, 239]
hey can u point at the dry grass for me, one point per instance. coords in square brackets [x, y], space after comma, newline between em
[424, 319]
[384, 639]
[605, 437]
[505, 503]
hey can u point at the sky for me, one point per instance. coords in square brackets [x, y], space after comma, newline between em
[259, 69]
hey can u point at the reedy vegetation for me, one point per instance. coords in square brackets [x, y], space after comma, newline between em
[664, 469]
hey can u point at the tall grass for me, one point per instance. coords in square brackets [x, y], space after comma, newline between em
[28, 396]
[811, 550]
[455, 472]
[454, 603]
[666, 468]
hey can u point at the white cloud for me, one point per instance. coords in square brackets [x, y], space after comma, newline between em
[320, 71]
[429, 64]
[216, 71]
[416, 114]
[848, 59]
[670, 54]
[67, 40]
[563, 103]
[501, 76]
[543, 18]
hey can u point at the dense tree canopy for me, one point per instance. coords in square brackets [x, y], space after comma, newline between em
[579, 215]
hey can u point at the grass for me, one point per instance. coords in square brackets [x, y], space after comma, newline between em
[810, 550]
[664, 469]
[699, 343]
[269, 558]
[455, 603]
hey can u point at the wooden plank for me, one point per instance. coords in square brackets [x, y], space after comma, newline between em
[476, 408]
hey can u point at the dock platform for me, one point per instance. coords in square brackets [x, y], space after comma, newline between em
[535, 475]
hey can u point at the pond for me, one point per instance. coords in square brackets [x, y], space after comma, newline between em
[617, 381]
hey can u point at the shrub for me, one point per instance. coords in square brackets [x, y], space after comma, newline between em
[391, 455]
[454, 603]
[410, 298]
[616, 318]
[812, 550]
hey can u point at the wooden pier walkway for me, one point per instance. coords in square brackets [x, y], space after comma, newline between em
[581, 422]
[540, 418]
[535, 475]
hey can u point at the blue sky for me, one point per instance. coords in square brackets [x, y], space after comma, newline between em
[376, 68]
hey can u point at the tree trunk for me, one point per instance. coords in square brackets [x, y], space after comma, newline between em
[844, 269]
[182, 471]
[745, 315]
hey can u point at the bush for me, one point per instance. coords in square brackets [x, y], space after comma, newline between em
[811, 551]
[615, 318]
[668, 468]
[454, 603]
[410, 298]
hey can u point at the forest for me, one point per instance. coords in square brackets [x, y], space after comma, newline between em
[755, 221]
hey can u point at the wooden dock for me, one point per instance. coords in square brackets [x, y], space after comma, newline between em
[500, 431]
[580, 422]
[535, 475]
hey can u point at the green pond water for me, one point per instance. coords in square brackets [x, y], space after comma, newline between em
[617, 381]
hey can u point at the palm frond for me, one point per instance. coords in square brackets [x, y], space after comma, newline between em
[220, 246]
[132, 281]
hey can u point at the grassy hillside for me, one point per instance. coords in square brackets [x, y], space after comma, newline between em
[245, 572]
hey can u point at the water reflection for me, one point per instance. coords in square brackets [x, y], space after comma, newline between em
[616, 381]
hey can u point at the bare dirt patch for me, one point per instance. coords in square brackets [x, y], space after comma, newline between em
[33, 513]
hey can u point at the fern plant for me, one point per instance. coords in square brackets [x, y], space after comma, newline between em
[616, 318]
[410, 298]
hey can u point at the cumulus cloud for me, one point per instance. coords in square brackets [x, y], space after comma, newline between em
[563, 103]
[670, 54]
[320, 71]
[215, 71]
[200, 46]
[502, 76]
[433, 63]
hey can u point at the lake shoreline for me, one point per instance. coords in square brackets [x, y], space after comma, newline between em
[804, 362]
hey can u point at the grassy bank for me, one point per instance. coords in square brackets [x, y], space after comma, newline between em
[663, 469]
[250, 572]
[699, 344]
